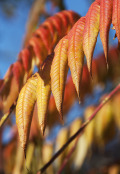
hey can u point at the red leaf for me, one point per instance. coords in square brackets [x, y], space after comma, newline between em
[116, 17]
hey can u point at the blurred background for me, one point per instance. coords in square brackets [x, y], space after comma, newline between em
[97, 151]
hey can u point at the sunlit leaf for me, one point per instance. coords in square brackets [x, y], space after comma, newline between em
[75, 53]
[116, 17]
[105, 21]
[59, 71]
[91, 32]
[24, 110]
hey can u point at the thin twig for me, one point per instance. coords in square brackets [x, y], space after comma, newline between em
[6, 116]
[107, 98]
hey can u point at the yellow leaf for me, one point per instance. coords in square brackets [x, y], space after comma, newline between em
[59, 71]
[75, 53]
[24, 110]
[91, 32]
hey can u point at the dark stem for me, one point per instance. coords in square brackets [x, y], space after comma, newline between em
[6, 116]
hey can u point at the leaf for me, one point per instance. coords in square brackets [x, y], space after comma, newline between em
[18, 73]
[105, 21]
[43, 92]
[39, 49]
[59, 71]
[73, 17]
[116, 17]
[60, 24]
[24, 110]
[91, 32]
[46, 37]
[26, 57]
[76, 54]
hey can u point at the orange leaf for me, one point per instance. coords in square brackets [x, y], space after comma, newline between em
[60, 24]
[105, 21]
[26, 57]
[59, 71]
[91, 32]
[116, 17]
[75, 53]
[18, 73]
[24, 110]
[43, 92]
[39, 49]
[45, 35]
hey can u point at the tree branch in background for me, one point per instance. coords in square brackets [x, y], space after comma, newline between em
[34, 16]
[107, 98]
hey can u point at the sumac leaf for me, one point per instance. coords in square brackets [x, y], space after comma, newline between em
[24, 110]
[59, 71]
[91, 32]
[116, 17]
[75, 53]
[105, 21]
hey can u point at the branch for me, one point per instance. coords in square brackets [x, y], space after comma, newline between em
[107, 98]
[6, 116]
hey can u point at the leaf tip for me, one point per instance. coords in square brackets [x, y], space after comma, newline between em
[107, 65]
[61, 117]
[79, 100]
[42, 127]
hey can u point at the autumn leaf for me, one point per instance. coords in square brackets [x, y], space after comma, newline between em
[25, 56]
[45, 34]
[39, 49]
[24, 110]
[18, 73]
[105, 21]
[91, 32]
[116, 17]
[59, 71]
[75, 53]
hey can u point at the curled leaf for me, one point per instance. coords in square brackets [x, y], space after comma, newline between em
[75, 53]
[24, 110]
[59, 71]
[91, 32]
[105, 21]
